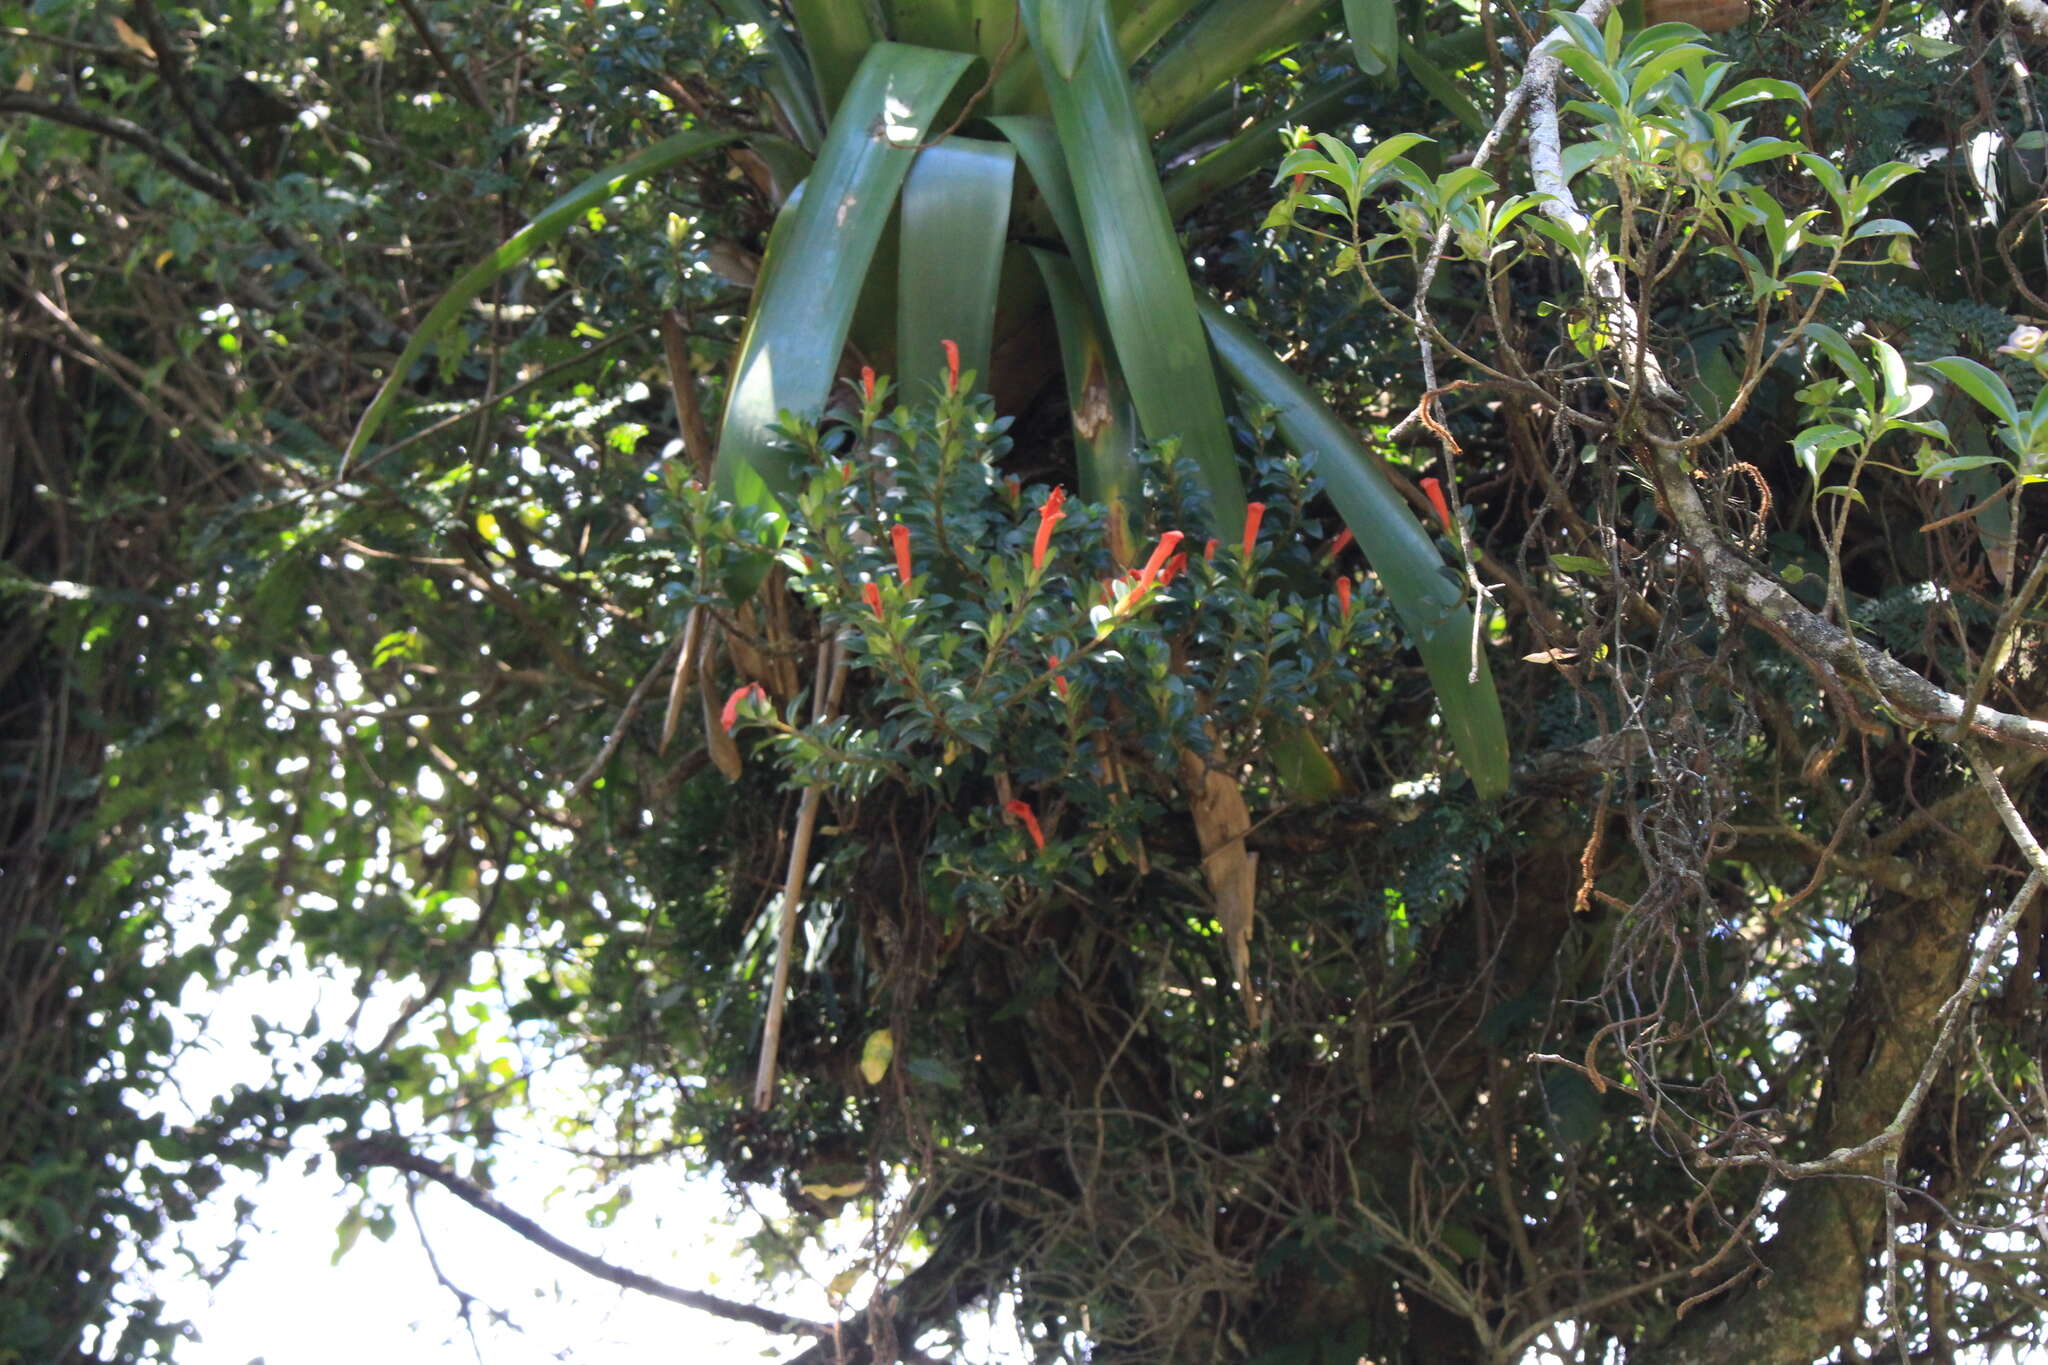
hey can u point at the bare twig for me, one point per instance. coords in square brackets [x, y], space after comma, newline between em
[626, 714]
[388, 1153]
[834, 660]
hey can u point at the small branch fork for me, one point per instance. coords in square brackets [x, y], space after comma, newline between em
[384, 1152]
[1829, 651]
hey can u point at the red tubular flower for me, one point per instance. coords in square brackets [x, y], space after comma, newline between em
[1209, 550]
[1254, 513]
[867, 383]
[952, 366]
[901, 535]
[1161, 552]
[1059, 680]
[1434, 491]
[1344, 597]
[873, 596]
[730, 716]
[1336, 547]
[1022, 810]
[1173, 566]
[1048, 517]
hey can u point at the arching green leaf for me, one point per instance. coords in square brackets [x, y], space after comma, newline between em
[791, 347]
[1147, 301]
[956, 210]
[1409, 566]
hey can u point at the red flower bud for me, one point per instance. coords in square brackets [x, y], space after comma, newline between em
[730, 716]
[1048, 517]
[1434, 491]
[867, 383]
[1336, 547]
[1059, 680]
[952, 366]
[1022, 810]
[1254, 513]
[1209, 550]
[1173, 566]
[1161, 552]
[1344, 597]
[901, 535]
[873, 596]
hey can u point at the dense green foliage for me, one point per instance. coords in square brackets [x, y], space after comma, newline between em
[516, 696]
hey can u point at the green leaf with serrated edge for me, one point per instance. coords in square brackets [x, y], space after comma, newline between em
[1844, 355]
[1981, 384]
[956, 212]
[790, 348]
[1411, 570]
[1761, 88]
[1374, 27]
[1147, 301]
[550, 223]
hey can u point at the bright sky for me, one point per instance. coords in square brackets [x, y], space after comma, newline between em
[289, 1303]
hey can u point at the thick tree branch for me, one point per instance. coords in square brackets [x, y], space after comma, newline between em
[389, 1154]
[1901, 688]
[121, 130]
[1915, 981]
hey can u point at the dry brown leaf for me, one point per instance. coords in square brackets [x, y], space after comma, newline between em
[1231, 870]
[132, 40]
[725, 752]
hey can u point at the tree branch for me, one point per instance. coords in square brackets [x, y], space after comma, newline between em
[76, 115]
[383, 1152]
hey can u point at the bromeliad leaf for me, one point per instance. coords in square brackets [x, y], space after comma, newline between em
[791, 346]
[1410, 569]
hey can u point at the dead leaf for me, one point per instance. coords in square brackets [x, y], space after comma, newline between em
[1221, 822]
[132, 40]
[725, 753]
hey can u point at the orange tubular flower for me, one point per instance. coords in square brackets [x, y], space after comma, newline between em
[872, 594]
[1344, 597]
[952, 366]
[1173, 567]
[867, 383]
[1336, 547]
[1254, 513]
[900, 534]
[1209, 550]
[1162, 552]
[1059, 680]
[1022, 810]
[730, 716]
[1048, 517]
[1434, 491]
